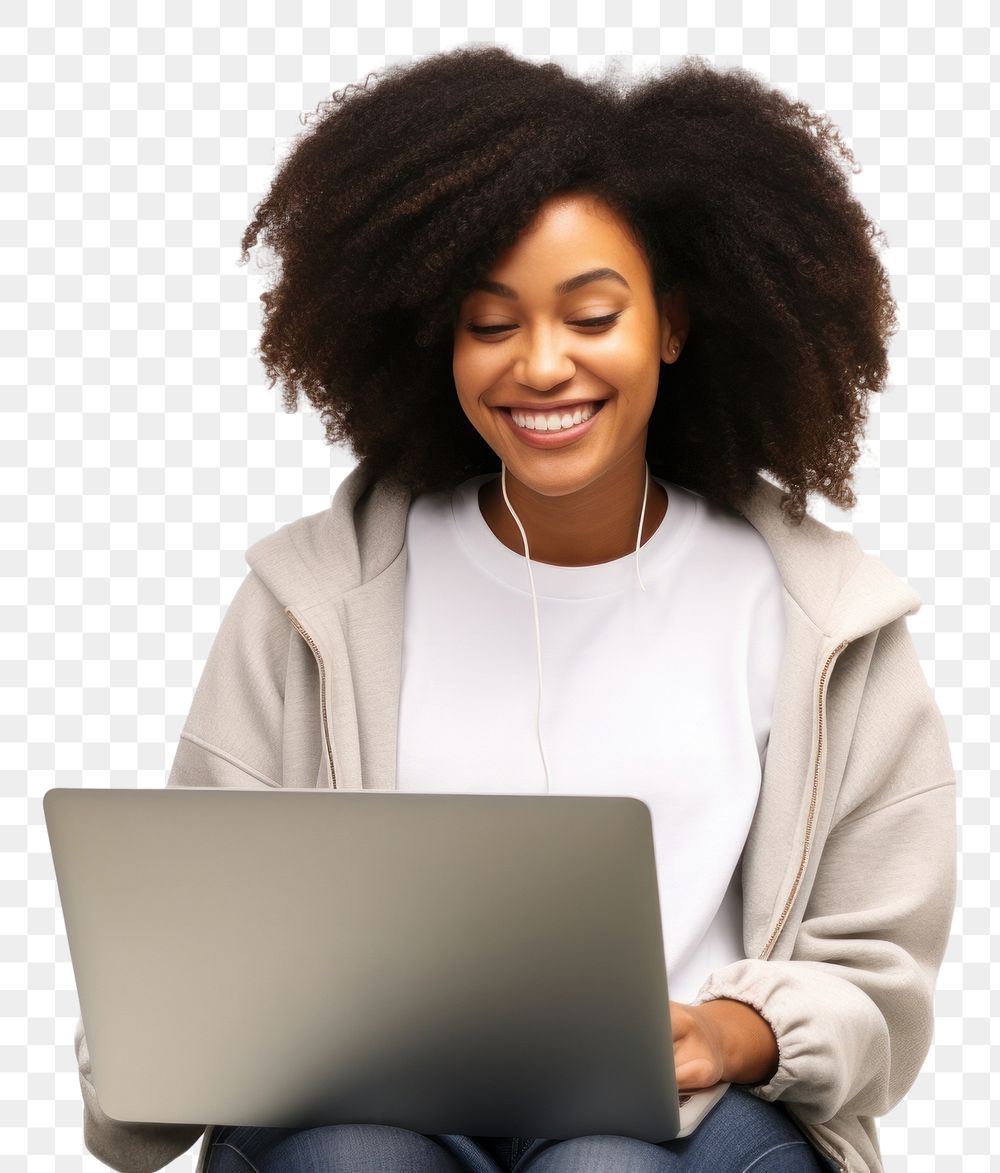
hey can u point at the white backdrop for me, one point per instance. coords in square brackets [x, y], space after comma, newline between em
[142, 451]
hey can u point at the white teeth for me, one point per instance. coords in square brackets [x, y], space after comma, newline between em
[552, 422]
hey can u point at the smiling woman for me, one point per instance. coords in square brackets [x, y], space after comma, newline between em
[563, 324]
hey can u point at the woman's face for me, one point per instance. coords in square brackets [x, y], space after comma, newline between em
[564, 327]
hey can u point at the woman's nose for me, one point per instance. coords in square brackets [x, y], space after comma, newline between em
[544, 360]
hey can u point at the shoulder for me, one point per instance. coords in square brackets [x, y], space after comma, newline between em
[843, 590]
[318, 557]
[808, 541]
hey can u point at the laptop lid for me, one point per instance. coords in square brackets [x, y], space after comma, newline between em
[475, 963]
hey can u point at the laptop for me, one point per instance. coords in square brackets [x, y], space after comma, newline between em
[484, 964]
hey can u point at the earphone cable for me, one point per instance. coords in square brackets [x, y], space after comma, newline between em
[538, 636]
[534, 598]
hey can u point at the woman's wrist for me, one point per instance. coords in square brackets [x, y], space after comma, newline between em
[747, 1043]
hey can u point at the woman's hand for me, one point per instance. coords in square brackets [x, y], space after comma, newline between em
[721, 1040]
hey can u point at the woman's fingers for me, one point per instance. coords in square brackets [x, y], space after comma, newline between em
[696, 1073]
[696, 1060]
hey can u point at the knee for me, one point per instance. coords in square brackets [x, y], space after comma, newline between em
[356, 1148]
[601, 1154]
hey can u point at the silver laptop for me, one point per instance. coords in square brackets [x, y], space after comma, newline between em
[483, 964]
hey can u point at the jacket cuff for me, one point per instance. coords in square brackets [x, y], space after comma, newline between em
[830, 1034]
[721, 987]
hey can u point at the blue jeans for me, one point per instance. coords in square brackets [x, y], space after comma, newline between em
[741, 1133]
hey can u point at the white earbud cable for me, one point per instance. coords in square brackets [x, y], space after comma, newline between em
[638, 536]
[534, 598]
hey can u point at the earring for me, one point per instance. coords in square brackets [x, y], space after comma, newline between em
[674, 347]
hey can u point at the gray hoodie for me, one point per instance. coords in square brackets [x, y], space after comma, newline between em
[849, 868]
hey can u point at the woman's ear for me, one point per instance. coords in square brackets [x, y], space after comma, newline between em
[675, 323]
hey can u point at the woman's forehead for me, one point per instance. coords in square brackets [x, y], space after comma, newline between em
[565, 240]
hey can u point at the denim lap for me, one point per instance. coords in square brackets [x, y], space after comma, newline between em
[742, 1134]
[336, 1148]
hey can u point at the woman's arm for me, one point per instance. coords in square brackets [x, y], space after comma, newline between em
[852, 1009]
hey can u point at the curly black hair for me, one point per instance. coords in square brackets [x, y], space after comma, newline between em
[400, 196]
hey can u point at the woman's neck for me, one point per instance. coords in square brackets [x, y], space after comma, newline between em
[596, 524]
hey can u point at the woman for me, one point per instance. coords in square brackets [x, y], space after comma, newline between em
[564, 327]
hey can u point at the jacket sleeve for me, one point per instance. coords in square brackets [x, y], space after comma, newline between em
[129, 1148]
[852, 1008]
[232, 737]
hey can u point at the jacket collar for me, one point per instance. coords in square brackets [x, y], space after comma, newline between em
[322, 557]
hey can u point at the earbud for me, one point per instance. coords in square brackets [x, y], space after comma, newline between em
[534, 597]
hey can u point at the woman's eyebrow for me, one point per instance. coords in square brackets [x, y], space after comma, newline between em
[562, 288]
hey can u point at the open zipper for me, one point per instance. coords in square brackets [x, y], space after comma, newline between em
[821, 1144]
[813, 799]
[322, 690]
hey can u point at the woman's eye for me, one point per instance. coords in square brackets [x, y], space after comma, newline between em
[606, 320]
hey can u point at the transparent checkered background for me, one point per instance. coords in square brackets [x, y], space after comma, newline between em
[142, 451]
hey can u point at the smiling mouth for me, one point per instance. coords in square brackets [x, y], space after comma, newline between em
[554, 421]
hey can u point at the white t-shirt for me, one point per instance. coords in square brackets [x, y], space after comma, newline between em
[665, 695]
